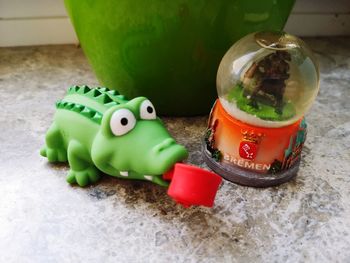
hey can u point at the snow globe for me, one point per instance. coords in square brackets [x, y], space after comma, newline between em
[266, 82]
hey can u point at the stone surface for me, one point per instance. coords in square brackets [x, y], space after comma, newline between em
[43, 219]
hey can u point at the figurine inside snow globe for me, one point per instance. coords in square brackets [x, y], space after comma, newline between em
[266, 82]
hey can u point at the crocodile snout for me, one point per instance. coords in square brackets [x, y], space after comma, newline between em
[164, 155]
[164, 145]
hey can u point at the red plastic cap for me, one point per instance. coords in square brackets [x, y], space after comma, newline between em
[192, 185]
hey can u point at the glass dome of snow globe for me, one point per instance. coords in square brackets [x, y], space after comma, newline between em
[268, 79]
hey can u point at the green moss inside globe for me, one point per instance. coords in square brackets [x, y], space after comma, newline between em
[260, 110]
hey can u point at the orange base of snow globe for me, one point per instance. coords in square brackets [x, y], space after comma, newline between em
[252, 155]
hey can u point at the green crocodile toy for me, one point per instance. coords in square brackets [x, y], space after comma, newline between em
[98, 130]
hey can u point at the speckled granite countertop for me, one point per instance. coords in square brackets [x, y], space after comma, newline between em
[43, 219]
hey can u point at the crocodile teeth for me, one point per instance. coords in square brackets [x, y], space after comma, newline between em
[148, 177]
[124, 173]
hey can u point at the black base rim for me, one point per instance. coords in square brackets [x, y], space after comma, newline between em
[245, 177]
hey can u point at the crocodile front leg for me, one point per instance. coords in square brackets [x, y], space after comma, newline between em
[82, 170]
[54, 149]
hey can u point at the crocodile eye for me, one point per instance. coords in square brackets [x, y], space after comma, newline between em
[147, 111]
[122, 122]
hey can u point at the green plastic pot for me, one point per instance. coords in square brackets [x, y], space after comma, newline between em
[168, 50]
